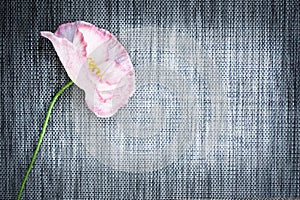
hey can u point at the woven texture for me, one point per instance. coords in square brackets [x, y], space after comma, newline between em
[215, 114]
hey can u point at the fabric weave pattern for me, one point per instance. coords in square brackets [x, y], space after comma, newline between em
[215, 114]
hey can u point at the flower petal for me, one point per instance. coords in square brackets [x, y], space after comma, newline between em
[106, 99]
[112, 51]
[79, 42]
[70, 32]
[67, 30]
[94, 36]
[72, 59]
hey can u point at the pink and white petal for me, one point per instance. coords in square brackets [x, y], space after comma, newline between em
[124, 62]
[123, 86]
[99, 108]
[100, 54]
[130, 89]
[93, 35]
[112, 51]
[126, 85]
[80, 43]
[115, 87]
[106, 102]
[123, 90]
[106, 87]
[74, 63]
[103, 109]
[67, 30]
[111, 73]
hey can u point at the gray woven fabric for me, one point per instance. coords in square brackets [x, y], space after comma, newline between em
[215, 113]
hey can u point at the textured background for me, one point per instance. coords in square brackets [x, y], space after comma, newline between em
[215, 114]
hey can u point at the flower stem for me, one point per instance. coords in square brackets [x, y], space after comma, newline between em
[41, 137]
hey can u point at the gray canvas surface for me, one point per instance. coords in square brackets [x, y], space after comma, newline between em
[215, 113]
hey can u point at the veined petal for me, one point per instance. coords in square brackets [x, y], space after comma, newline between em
[106, 99]
[79, 42]
[107, 104]
[110, 70]
[70, 32]
[72, 59]
[67, 30]
[93, 35]
[112, 51]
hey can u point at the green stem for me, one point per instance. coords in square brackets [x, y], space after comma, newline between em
[41, 136]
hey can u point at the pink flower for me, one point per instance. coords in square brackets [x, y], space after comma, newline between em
[97, 63]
